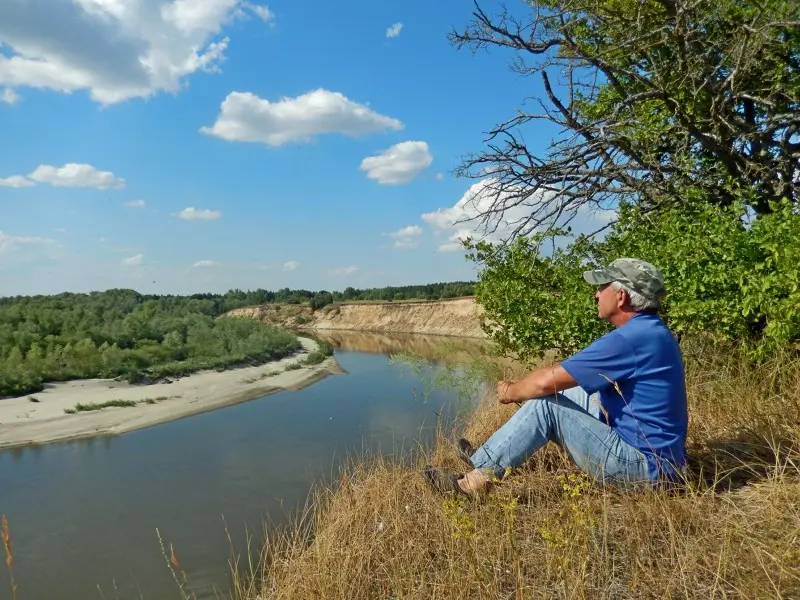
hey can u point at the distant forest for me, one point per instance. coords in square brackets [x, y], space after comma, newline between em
[124, 333]
[432, 291]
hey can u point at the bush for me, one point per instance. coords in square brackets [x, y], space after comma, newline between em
[728, 276]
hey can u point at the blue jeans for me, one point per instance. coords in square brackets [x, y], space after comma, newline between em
[571, 420]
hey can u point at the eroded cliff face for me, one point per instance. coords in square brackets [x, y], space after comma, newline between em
[459, 317]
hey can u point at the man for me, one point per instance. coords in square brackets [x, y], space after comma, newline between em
[618, 407]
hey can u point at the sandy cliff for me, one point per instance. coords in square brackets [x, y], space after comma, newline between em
[459, 317]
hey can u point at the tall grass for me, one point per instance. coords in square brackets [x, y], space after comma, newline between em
[732, 531]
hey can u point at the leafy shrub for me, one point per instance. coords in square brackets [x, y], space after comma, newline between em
[728, 275]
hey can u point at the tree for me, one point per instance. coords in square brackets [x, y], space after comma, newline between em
[662, 100]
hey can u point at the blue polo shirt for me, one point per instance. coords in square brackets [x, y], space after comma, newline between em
[638, 371]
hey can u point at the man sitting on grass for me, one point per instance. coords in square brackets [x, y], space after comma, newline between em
[618, 407]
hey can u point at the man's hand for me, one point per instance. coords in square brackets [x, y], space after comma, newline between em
[539, 382]
[504, 392]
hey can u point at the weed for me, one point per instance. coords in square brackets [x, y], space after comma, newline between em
[5, 534]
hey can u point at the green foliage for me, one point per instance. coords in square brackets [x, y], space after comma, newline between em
[91, 406]
[320, 354]
[539, 302]
[728, 275]
[121, 333]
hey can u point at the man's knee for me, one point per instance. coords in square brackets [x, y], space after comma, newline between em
[540, 409]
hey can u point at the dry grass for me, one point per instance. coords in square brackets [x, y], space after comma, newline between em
[547, 532]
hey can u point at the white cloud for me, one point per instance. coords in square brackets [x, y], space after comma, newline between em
[9, 243]
[463, 220]
[9, 96]
[406, 238]
[16, 181]
[133, 261]
[76, 175]
[136, 203]
[193, 214]
[394, 30]
[244, 117]
[261, 11]
[200, 264]
[114, 49]
[439, 176]
[398, 164]
[290, 265]
[345, 270]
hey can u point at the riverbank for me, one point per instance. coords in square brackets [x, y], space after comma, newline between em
[547, 531]
[42, 418]
[457, 317]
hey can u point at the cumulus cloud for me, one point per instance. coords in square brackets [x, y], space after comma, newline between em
[290, 265]
[245, 117]
[204, 264]
[76, 175]
[394, 30]
[463, 221]
[114, 49]
[9, 96]
[16, 181]
[194, 214]
[398, 164]
[136, 204]
[9, 243]
[439, 176]
[133, 261]
[345, 270]
[406, 238]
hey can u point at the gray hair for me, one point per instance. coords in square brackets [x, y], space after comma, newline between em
[638, 302]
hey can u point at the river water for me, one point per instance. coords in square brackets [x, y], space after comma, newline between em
[83, 515]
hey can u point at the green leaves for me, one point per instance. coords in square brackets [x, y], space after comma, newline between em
[535, 303]
[729, 275]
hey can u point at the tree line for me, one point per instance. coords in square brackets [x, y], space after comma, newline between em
[122, 333]
[317, 299]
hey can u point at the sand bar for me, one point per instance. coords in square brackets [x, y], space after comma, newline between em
[24, 422]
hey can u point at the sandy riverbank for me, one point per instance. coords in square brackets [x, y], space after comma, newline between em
[23, 421]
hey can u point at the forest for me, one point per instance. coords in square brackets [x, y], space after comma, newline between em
[121, 333]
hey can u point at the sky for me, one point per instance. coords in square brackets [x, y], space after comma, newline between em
[183, 146]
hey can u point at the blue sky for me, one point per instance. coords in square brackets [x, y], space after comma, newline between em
[179, 146]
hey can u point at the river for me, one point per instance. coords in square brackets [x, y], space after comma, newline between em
[83, 515]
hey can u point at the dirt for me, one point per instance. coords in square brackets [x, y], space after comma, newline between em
[458, 317]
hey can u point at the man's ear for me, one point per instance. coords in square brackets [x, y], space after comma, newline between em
[622, 299]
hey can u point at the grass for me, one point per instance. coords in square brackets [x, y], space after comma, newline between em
[260, 377]
[732, 531]
[91, 406]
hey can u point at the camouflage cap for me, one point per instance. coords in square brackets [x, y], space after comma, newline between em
[637, 274]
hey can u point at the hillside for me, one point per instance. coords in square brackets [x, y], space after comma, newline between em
[457, 317]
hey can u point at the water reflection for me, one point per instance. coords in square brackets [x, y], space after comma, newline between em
[437, 349]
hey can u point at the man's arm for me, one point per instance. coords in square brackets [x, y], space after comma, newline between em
[540, 382]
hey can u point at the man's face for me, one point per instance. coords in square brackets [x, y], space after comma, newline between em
[608, 301]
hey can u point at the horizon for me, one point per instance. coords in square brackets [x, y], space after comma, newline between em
[246, 291]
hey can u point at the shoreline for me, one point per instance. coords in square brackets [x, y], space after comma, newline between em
[24, 422]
